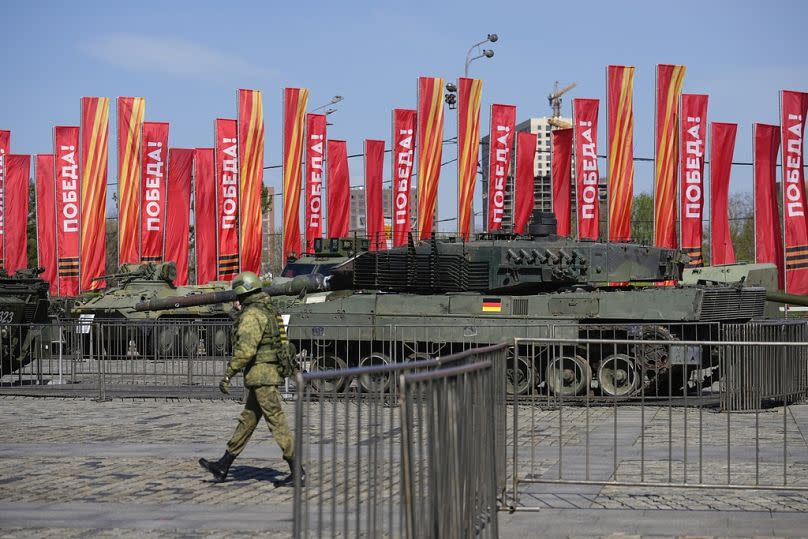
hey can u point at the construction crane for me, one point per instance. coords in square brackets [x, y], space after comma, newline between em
[555, 98]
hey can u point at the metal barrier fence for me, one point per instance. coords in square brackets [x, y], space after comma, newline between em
[678, 427]
[349, 440]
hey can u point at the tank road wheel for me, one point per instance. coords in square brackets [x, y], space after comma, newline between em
[378, 382]
[655, 357]
[327, 362]
[217, 340]
[618, 376]
[190, 341]
[166, 340]
[568, 375]
[518, 378]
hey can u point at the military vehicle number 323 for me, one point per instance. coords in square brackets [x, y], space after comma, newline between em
[6, 317]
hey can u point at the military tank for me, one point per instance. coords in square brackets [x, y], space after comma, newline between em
[442, 296]
[24, 305]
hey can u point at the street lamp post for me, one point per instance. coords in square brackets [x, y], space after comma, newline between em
[334, 100]
[488, 53]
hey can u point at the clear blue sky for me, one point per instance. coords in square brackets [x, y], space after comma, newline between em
[188, 59]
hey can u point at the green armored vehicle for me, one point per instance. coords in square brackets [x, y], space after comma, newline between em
[23, 305]
[330, 256]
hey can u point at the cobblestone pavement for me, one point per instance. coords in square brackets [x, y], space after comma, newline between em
[127, 468]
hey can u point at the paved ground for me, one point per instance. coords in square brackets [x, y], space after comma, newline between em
[127, 468]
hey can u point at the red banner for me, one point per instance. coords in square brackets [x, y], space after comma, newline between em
[404, 126]
[468, 150]
[131, 111]
[18, 173]
[620, 115]
[315, 155]
[526, 146]
[668, 88]
[45, 219]
[503, 127]
[205, 215]
[562, 178]
[768, 233]
[722, 148]
[793, 108]
[5, 149]
[693, 140]
[430, 150]
[374, 211]
[153, 191]
[94, 153]
[68, 218]
[294, 111]
[339, 189]
[251, 154]
[585, 118]
[227, 198]
[178, 210]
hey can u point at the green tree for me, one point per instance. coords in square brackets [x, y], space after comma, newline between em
[642, 219]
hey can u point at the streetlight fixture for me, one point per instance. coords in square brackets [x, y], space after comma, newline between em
[335, 99]
[487, 53]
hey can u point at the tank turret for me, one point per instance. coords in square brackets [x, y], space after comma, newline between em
[23, 304]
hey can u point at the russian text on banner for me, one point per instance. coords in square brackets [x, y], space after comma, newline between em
[430, 150]
[18, 173]
[315, 159]
[251, 156]
[205, 215]
[669, 82]
[339, 190]
[693, 139]
[620, 115]
[153, 191]
[131, 111]
[526, 146]
[68, 218]
[294, 112]
[178, 210]
[585, 125]
[722, 148]
[403, 140]
[468, 150]
[562, 178]
[503, 127]
[794, 107]
[768, 232]
[45, 219]
[227, 175]
[94, 154]
[374, 211]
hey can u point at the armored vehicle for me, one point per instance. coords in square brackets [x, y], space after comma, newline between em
[23, 304]
[328, 255]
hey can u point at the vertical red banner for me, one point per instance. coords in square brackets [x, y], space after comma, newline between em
[722, 148]
[585, 118]
[131, 111]
[503, 127]
[693, 140]
[669, 81]
[251, 154]
[524, 197]
[94, 154]
[793, 109]
[404, 128]
[468, 150]
[46, 219]
[768, 232]
[374, 211]
[294, 112]
[430, 150]
[68, 217]
[227, 203]
[205, 215]
[153, 191]
[5, 149]
[620, 117]
[562, 178]
[339, 189]
[18, 174]
[315, 157]
[178, 210]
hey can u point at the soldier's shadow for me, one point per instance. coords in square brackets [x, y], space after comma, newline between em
[254, 473]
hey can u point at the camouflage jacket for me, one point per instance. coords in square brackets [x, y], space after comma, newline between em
[257, 341]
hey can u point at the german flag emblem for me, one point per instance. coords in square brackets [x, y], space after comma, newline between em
[492, 305]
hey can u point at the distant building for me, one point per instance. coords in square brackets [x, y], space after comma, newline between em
[358, 223]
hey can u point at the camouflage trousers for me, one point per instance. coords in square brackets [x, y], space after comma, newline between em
[263, 401]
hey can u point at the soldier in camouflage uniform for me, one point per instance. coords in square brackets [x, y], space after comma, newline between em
[262, 350]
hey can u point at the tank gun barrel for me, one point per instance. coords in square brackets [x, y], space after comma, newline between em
[782, 297]
[302, 283]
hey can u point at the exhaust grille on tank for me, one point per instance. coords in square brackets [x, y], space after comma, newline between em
[732, 303]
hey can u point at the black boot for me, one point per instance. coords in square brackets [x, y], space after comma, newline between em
[220, 467]
[290, 479]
